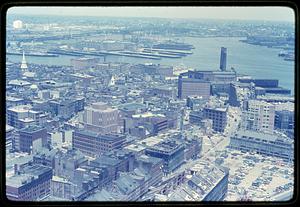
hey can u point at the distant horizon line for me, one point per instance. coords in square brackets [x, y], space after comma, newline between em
[146, 17]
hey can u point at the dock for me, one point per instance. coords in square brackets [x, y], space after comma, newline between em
[166, 51]
[102, 53]
[33, 54]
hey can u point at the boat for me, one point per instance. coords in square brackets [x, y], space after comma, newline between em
[282, 53]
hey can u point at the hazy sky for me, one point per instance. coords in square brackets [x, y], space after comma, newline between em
[244, 13]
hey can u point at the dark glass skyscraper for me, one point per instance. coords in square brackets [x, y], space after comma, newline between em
[223, 58]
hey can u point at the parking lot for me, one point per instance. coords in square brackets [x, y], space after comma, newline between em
[256, 177]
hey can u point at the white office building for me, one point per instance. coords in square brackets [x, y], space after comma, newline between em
[259, 116]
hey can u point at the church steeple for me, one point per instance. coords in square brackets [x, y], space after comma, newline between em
[112, 81]
[24, 66]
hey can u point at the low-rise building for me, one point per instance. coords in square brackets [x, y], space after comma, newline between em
[153, 166]
[195, 102]
[153, 69]
[131, 186]
[31, 139]
[163, 92]
[93, 144]
[115, 162]
[30, 183]
[80, 64]
[63, 188]
[203, 182]
[14, 101]
[263, 143]
[66, 108]
[153, 123]
[129, 109]
[45, 157]
[65, 163]
[21, 116]
[171, 152]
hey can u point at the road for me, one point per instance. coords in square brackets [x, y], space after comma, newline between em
[221, 144]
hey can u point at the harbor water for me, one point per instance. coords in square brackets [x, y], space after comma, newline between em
[256, 61]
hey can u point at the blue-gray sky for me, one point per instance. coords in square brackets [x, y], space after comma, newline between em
[243, 13]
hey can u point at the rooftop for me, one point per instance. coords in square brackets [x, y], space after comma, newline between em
[285, 106]
[101, 107]
[27, 120]
[20, 108]
[46, 152]
[276, 97]
[30, 129]
[148, 159]
[29, 74]
[203, 178]
[70, 154]
[167, 147]
[277, 89]
[146, 115]
[80, 75]
[60, 179]
[259, 102]
[16, 158]
[135, 147]
[102, 195]
[126, 183]
[216, 109]
[19, 83]
[27, 174]
[163, 87]
[11, 98]
[107, 137]
[187, 79]
[223, 73]
[263, 136]
[106, 160]
[131, 106]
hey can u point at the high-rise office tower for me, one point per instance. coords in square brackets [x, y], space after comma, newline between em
[223, 58]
